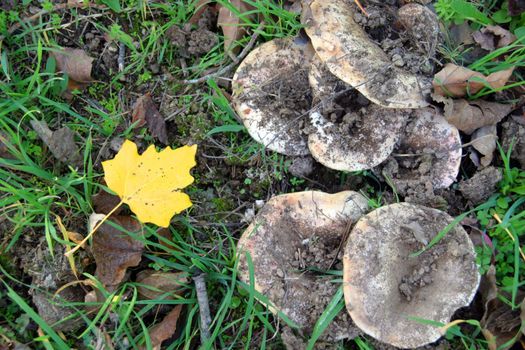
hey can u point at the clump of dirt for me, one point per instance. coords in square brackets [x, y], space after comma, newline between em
[513, 133]
[481, 186]
[410, 44]
[49, 273]
[192, 42]
[287, 95]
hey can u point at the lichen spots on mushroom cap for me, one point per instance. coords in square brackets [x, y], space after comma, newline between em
[384, 286]
[292, 234]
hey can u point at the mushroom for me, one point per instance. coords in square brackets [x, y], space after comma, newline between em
[386, 288]
[351, 56]
[348, 132]
[290, 236]
[429, 151]
[271, 94]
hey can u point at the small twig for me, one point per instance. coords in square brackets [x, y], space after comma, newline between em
[204, 306]
[227, 68]
[343, 240]
[120, 59]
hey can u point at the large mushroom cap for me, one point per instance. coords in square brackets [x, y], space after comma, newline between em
[292, 233]
[364, 134]
[430, 150]
[271, 94]
[352, 56]
[384, 287]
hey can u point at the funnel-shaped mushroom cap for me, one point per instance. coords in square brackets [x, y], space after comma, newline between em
[430, 136]
[351, 55]
[272, 96]
[363, 138]
[363, 146]
[385, 287]
[294, 232]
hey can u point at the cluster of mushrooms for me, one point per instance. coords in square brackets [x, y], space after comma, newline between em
[284, 91]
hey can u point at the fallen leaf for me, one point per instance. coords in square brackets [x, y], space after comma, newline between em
[104, 202]
[145, 112]
[114, 251]
[61, 143]
[458, 81]
[231, 24]
[151, 183]
[484, 141]
[468, 116]
[77, 65]
[160, 285]
[200, 7]
[499, 324]
[492, 37]
[166, 328]
[516, 7]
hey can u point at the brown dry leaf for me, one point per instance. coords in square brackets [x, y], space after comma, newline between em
[104, 202]
[61, 142]
[457, 81]
[77, 65]
[232, 26]
[484, 141]
[160, 285]
[165, 329]
[145, 112]
[468, 116]
[492, 37]
[516, 7]
[499, 324]
[115, 251]
[200, 7]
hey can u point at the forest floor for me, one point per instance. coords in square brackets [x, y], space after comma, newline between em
[78, 78]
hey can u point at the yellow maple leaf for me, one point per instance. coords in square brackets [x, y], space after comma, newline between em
[151, 183]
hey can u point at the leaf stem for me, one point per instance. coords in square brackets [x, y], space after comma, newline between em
[94, 230]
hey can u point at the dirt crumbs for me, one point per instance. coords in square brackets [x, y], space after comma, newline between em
[513, 133]
[409, 35]
[481, 186]
[49, 273]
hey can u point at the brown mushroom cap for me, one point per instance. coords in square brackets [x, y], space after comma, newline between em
[271, 92]
[384, 287]
[430, 134]
[359, 146]
[350, 55]
[287, 235]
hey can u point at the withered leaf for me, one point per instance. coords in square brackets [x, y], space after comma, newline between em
[468, 116]
[499, 324]
[457, 81]
[77, 65]
[104, 202]
[166, 328]
[492, 37]
[232, 26]
[516, 7]
[114, 251]
[61, 143]
[160, 285]
[484, 141]
[145, 112]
